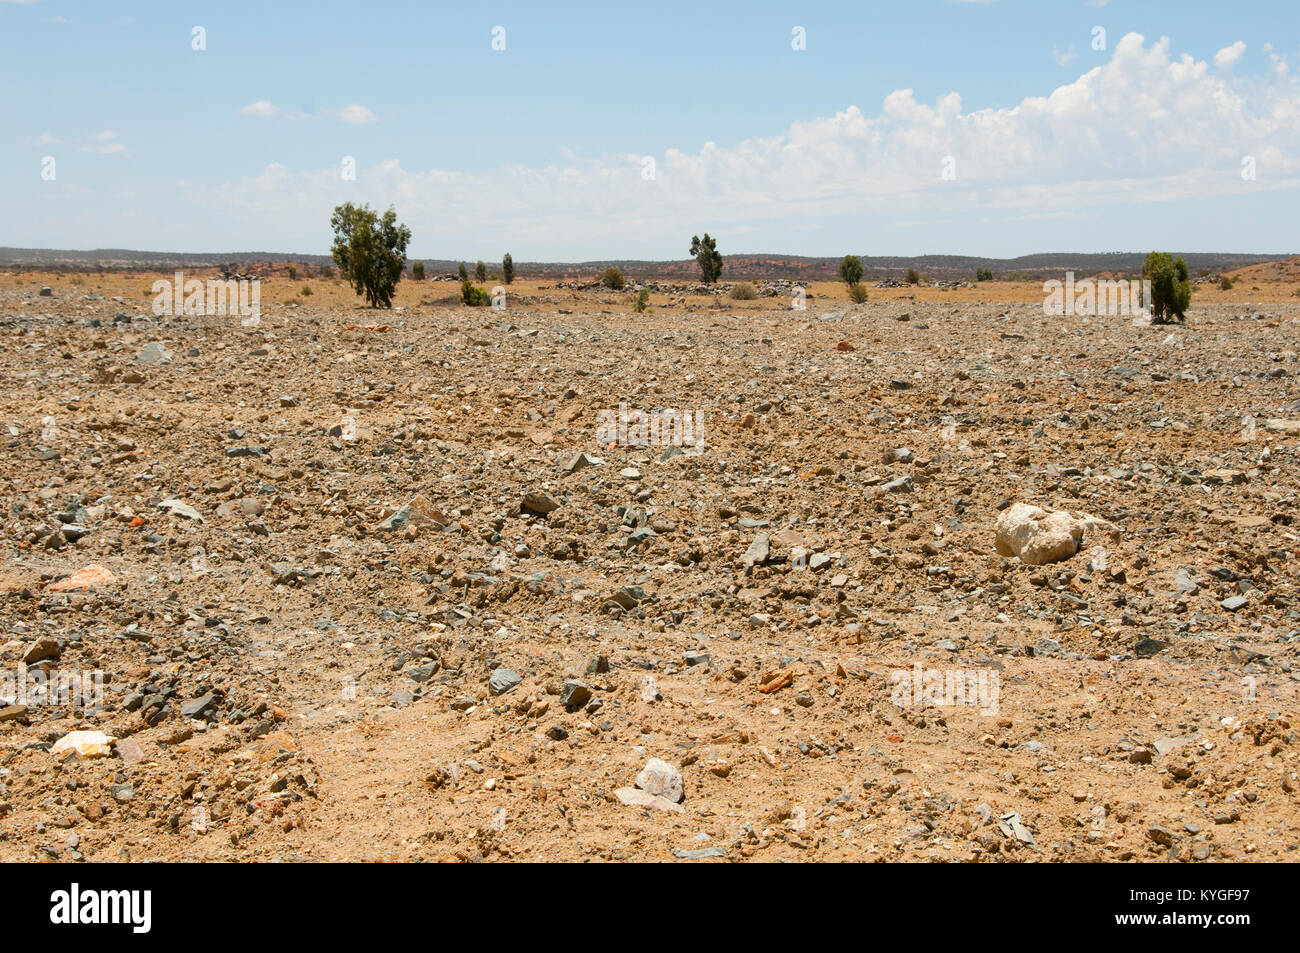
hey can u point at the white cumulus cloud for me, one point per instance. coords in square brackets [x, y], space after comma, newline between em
[1146, 126]
[1229, 54]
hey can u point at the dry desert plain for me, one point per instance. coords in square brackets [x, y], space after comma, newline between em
[295, 667]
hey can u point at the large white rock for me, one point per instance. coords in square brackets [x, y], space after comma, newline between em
[661, 779]
[87, 744]
[1039, 536]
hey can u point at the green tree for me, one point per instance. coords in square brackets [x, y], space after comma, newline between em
[1171, 291]
[508, 269]
[912, 277]
[480, 272]
[293, 273]
[370, 250]
[983, 274]
[612, 278]
[851, 269]
[463, 271]
[705, 252]
[417, 271]
[642, 300]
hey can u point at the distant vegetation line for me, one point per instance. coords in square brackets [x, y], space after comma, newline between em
[1025, 267]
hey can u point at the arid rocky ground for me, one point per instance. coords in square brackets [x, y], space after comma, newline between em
[287, 677]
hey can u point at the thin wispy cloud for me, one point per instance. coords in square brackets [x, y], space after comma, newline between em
[356, 114]
[105, 143]
[263, 108]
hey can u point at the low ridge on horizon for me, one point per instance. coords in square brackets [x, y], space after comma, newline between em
[738, 265]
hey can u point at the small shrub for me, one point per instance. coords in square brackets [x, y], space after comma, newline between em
[1225, 283]
[473, 296]
[306, 291]
[743, 292]
[912, 277]
[612, 278]
[642, 300]
[417, 271]
[508, 268]
[480, 272]
[857, 292]
[464, 274]
[293, 273]
[983, 274]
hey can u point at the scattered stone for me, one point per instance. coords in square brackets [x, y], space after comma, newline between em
[93, 576]
[1161, 835]
[42, 649]
[418, 512]
[154, 353]
[1045, 647]
[903, 484]
[702, 854]
[580, 461]
[1145, 648]
[629, 596]
[757, 552]
[540, 503]
[633, 797]
[180, 508]
[574, 695]
[502, 680]
[650, 690]
[196, 707]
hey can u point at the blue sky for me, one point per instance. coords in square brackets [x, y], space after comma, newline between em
[540, 148]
